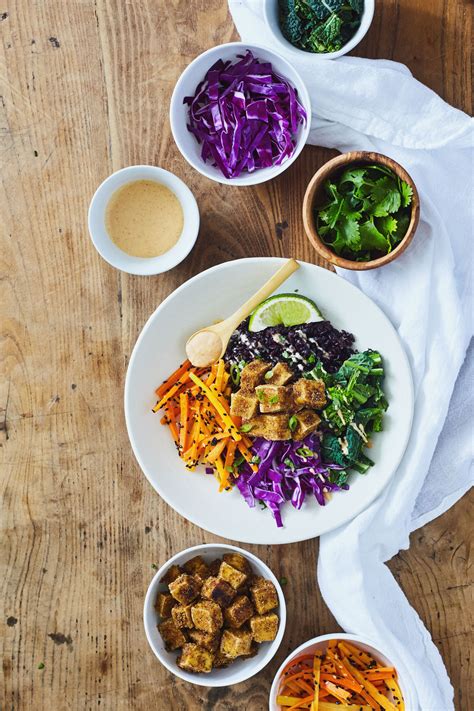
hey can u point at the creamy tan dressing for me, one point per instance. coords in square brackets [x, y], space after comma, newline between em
[144, 218]
[204, 348]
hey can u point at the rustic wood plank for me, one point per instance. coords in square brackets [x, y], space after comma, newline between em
[84, 90]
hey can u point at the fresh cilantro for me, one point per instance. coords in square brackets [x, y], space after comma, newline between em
[366, 214]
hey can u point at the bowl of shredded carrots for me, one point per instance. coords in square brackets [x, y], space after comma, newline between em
[339, 673]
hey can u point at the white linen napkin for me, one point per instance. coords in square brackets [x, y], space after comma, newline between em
[365, 104]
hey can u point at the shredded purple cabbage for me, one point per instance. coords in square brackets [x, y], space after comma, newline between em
[245, 116]
[287, 471]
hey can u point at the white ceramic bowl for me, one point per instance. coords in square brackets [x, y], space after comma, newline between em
[270, 13]
[239, 670]
[362, 642]
[139, 265]
[186, 86]
[160, 348]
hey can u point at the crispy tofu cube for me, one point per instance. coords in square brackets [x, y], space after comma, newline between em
[214, 567]
[253, 651]
[272, 427]
[235, 643]
[205, 639]
[220, 660]
[308, 421]
[207, 616]
[264, 627]
[253, 374]
[164, 604]
[232, 576]
[239, 612]
[280, 374]
[181, 615]
[264, 596]
[244, 404]
[194, 658]
[173, 572]
[185, 589]
[172, 636]
[197, 566]
[236, 560]
[274, 398]
[309, 393]
[219, 591]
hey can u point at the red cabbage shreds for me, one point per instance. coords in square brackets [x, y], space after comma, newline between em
[245, 116]
[288, 471]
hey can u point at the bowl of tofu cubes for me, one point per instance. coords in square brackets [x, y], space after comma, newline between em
[214, 615]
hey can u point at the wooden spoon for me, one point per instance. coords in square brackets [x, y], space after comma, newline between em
[208, 344]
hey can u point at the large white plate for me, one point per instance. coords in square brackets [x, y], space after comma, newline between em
[214, 294]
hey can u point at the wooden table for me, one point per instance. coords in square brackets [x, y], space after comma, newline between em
[84, 90]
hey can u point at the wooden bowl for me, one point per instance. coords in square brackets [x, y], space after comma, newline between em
[314, 194]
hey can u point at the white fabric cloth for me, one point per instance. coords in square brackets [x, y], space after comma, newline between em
[427, 294]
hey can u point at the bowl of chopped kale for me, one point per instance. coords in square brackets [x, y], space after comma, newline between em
[326, 28]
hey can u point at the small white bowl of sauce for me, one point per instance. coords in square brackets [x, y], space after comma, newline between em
[143, 220]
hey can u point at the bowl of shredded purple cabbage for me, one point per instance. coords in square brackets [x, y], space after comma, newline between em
[240, 114]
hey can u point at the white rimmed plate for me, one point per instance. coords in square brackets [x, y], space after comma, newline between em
[212, 295]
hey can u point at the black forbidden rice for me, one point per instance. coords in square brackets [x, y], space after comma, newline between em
[292, 344]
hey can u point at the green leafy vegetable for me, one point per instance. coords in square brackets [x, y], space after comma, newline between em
[355, 409]
[367, 212]
[321, 26]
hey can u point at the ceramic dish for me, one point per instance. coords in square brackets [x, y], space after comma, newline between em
[139, 265]
[214, 294]
[320, 643]
[186, 86]
[239, 670]
[270, 13]
[315, 195]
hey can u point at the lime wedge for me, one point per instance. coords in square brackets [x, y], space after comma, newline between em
[286, 310]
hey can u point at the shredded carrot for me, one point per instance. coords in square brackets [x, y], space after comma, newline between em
[196, 407]
[164, 387]
[342, 677]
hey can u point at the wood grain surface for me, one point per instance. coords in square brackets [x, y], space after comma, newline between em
[84, 90]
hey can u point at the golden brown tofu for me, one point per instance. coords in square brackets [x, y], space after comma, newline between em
[253, 651]
[207, 616]
[309, 393]
[185, 589]
[236, 560]
[272, 427]
[219, 591]
[264, 627]
[214, 567]
[244, 404]
[235, 643]
[220, 660]
[172, 636]
[173, 572]
[181, 615]
[197, 566]
[239, 612]
[308, 421]
[274, 398]
[194, 658]
[253, 374]
[264, 596]
[164, 604]
[280, 374]
[232, 576]
[205, 639]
